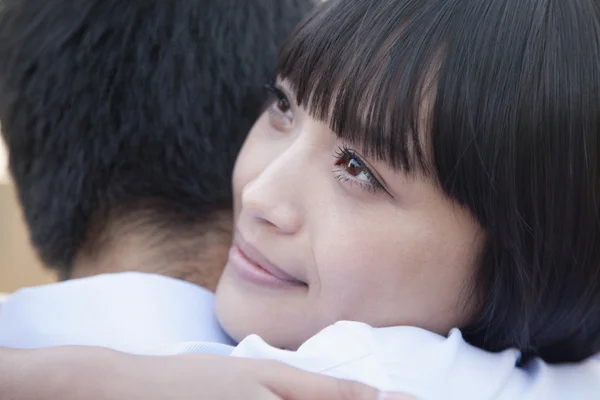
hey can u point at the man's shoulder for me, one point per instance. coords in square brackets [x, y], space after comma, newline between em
[86, 311]
[3, 297]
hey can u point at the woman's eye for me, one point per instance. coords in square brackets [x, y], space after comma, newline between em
[351, 169]
[352, 166]
[283, 104]
[278, 98]
[279, 109]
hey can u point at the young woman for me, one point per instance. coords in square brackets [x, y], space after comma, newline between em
[431, 163]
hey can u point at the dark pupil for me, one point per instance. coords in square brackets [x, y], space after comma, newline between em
[353, 167]
[283, 105]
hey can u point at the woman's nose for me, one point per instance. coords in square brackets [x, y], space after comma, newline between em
[274, 198]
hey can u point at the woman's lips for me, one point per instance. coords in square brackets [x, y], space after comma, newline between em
[250, 265]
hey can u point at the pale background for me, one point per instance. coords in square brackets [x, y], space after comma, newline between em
[19, 265]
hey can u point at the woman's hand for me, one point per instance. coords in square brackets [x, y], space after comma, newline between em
[71, 373]
[215, 377]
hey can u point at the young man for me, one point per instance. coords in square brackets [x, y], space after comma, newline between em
[123, 120]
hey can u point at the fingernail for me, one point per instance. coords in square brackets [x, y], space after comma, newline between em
[394, 396]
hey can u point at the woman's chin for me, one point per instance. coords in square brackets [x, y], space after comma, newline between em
[279, 323]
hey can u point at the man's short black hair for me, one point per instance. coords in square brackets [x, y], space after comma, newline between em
[116, 106]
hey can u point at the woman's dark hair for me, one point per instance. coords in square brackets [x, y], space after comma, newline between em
[498, 101]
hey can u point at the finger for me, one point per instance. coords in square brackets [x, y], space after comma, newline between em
[265, 394]
[293, 384]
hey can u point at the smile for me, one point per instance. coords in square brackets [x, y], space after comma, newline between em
[251, 266]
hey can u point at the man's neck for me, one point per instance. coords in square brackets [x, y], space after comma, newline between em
[199, 260]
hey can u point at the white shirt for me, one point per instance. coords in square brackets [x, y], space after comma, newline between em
[131, 312]
[425, 365]
[151, 314]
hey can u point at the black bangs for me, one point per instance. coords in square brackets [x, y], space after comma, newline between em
[498, 102]
[367, 68]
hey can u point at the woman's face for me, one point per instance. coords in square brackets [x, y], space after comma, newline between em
[323, 234]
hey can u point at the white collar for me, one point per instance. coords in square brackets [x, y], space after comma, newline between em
[132, 312]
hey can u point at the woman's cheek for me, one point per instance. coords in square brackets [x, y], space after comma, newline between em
[345, 275]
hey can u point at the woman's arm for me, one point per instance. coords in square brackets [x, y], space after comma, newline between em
[67, 373]
[73, 373]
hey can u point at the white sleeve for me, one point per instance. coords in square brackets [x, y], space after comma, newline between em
[541, 381]
[3, 297]
[429, 366]
[462, 371]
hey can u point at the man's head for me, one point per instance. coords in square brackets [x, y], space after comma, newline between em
[123, 120]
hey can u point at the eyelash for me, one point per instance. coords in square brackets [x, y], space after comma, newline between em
[372, 186]
[277, 97]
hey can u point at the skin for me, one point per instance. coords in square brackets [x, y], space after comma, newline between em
[198, 259]
[395, 251]
[101, 374]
